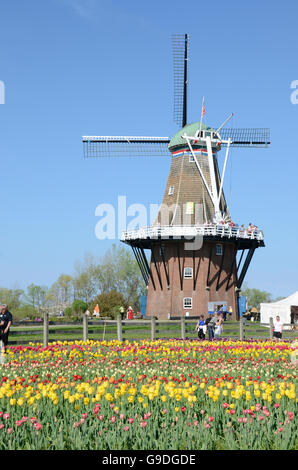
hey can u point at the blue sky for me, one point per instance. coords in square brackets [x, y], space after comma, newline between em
[92, 67]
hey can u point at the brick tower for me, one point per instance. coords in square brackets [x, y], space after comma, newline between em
[198, 257]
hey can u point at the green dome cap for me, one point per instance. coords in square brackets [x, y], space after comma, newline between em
[189, 129]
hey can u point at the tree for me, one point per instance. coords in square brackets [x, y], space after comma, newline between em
[25, 311]
[109, 304]
[61, 292]
[11, 297]
[119, 271]
[36, 296]
[255, 297]
[79, 307]
[85, 280]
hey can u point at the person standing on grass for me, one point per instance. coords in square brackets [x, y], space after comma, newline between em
[200, 327]
[211, 326]
[277, 328]
[218, 329]
[5, 323]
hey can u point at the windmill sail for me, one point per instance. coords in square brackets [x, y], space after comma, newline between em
[180, 44]
[125, 146]
[246, 137]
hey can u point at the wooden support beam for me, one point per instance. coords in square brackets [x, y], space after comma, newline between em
[209, 264]
[180, 273]
[143, 258]
[240, 260]
[156, 268]
[245, 266]
[149, 270]
[140, 264]
[231, 271]
[164, 265]
[221, 265]
[196, 274]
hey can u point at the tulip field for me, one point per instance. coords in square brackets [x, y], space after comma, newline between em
[149, 395]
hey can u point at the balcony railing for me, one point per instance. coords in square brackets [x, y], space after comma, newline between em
[178, 231]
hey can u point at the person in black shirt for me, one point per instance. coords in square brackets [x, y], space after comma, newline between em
[5, 323]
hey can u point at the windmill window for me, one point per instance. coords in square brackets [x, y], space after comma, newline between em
[218, 250]
[188, 273]
[191, 158]
[171, 190]
[187, 302]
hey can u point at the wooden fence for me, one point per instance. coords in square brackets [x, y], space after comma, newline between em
[150, 328]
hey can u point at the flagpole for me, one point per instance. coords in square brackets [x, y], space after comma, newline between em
[201, 116]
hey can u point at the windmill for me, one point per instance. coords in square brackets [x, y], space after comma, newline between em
[186, 278]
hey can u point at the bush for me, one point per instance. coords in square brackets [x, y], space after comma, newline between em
[68, 312]
[109, 304]
[25, 311]
[79, 307]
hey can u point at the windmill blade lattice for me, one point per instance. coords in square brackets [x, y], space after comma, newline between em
[125, 146]
[180, 45]
[246, 137]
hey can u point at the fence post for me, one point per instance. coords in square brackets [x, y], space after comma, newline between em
[271, 328]
[85, 327]
[241, 333]
[2, 355]
[45, 329]
[182, 327]
[153, 328]
[119, 328]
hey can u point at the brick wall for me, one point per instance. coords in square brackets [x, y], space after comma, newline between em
[168, 299]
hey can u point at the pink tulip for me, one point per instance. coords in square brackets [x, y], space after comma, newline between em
[6, 416]
[130, 420]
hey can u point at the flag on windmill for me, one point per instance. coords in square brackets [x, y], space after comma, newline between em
[203, 112]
